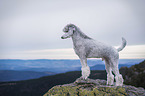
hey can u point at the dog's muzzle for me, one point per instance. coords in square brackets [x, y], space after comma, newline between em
[65, 36]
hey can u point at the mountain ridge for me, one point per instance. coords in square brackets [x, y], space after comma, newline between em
[56, 66]
[38, 87]
[12, 75]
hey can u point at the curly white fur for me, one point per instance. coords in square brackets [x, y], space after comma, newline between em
[86, 47]
[110, 79]
[85, 72]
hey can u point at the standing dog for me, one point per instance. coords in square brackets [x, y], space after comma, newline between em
[86, 47]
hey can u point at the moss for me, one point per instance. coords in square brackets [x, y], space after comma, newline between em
[62, 91]
[122, 91]
[77, 91]
[108, 91]
[97, 92]
[84, 92]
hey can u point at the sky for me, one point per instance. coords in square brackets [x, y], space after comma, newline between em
[31, 29]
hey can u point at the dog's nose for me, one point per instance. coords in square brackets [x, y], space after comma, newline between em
[62, 37]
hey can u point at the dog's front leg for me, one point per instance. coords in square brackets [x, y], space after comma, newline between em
[85, 68]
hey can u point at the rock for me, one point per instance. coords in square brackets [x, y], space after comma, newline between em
[92, 87]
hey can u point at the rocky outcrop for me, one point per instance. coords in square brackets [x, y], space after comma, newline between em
[92, 87]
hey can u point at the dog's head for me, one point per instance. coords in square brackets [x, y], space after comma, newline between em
[69, 31]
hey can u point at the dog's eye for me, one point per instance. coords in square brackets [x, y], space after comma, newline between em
[65, 31]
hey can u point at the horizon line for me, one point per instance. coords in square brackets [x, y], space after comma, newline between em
[129, 52]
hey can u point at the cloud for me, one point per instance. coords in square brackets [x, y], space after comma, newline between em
[36, 25]
[129, 52]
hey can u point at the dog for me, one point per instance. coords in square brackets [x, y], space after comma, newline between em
[86, 47]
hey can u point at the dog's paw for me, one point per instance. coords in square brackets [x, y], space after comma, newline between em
[85, 72]
[110, 79]
[119, 80]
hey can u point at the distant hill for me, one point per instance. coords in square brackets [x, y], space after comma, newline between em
[10, 75]
[32, 72]
[102, 67]
[37, 87]
[57, 66]
[135, 75]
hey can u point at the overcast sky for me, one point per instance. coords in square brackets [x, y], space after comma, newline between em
[37, 24]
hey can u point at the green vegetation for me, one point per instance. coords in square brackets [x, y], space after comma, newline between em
[79, 91]
[135, 75]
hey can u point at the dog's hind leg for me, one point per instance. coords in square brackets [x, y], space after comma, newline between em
[85, 68]
[118, 76]
[110, 76]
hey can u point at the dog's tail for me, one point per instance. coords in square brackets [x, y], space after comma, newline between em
[122, 45]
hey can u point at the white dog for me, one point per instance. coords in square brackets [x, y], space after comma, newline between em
[86, 47]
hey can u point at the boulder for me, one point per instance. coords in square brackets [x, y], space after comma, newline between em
[92, 87]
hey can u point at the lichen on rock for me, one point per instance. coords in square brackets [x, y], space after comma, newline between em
[92, 87]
